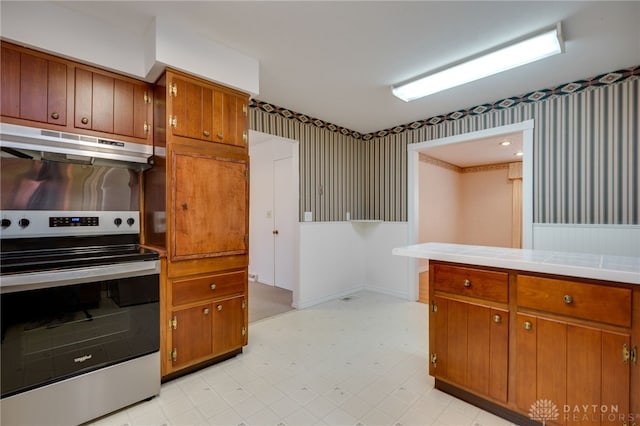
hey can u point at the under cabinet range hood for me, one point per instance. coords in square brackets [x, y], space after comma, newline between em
[43, 144]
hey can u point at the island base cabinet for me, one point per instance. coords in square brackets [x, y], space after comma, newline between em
[571, 374]
[469, 346]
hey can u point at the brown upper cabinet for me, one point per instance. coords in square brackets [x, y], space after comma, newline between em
[105, 103]
[207, 112]
[41, 90]
[34, 87]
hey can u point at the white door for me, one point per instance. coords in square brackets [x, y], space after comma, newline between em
[284, 222]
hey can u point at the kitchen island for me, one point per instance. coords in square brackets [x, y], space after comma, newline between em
[535, 336]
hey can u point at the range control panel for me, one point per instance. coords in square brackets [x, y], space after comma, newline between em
[37, 223]
[74, 221]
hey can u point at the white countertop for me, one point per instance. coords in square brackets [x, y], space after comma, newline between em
[624, 269]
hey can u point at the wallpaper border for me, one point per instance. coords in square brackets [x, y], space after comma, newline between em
[564, 89]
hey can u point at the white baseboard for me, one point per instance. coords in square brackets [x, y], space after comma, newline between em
[388, 292]
[302, 304]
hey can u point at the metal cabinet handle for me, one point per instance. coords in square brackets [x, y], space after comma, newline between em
[205, 311]
[213, 286]
[567, 299]
[497, 319]
[84, 120]
[528, 325]
[467, 283]
[55, 115]
[219, 307]
[220, 135]
[206, 133]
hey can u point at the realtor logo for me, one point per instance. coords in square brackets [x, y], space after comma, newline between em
[544, 410]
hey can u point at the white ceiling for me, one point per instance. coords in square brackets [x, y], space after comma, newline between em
[479, 152]
[336, 60]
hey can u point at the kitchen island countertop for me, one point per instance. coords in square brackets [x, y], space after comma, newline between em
[625, 269]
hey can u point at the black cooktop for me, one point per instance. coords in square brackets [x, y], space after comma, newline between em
[22, 255]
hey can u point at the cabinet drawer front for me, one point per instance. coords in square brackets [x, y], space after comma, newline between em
[209, 287]
[490, 285]
[594, 302]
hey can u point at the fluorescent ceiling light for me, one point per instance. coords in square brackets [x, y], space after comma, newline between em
[520, 52]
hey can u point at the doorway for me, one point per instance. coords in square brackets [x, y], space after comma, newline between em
[273, 224]
[524, 130]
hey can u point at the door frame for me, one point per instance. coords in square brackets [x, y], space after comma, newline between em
[295, 156]
[413, 158]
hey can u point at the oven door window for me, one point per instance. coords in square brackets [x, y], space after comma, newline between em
[52, 334]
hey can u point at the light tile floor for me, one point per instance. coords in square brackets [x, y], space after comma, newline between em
[361, 361]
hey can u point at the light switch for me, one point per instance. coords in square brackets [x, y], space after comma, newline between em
[269, 214]
[308, 216]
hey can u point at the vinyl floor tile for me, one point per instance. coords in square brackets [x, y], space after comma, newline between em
[360, 361]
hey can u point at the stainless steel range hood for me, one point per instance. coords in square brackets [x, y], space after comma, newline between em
[42, 144]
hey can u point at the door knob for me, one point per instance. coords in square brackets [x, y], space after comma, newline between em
[275, 232]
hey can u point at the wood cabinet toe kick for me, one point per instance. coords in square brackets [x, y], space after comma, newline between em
[533, 347]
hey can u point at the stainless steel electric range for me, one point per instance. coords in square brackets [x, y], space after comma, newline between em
[79, 296]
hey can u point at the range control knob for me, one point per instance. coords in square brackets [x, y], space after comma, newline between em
[117, 221]
[131, 221]
[5, 223]
[23, 223]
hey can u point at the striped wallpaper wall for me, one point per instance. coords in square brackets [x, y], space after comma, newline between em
[586, 153]
[332, 166]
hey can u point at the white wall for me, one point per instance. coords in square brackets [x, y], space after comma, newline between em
[384, 272]
[340, 258]
[618, 240]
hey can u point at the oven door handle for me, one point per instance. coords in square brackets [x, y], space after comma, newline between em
[46, 279]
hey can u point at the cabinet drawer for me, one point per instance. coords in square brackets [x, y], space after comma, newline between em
[473, 282]
[594, 302]
[208, 287]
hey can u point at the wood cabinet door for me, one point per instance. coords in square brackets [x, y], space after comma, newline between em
[579, 369]
[117, 106]
[191, 109]
[33, 87]
[83, 106]
[234, 121]
[192, 337]
[230, 119]
[103, 103]
[471, 346]
[10, 82]
[229, 328]
[525, 369]
[210, 206]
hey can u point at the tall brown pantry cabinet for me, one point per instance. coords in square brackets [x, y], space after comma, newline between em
[196, 201]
